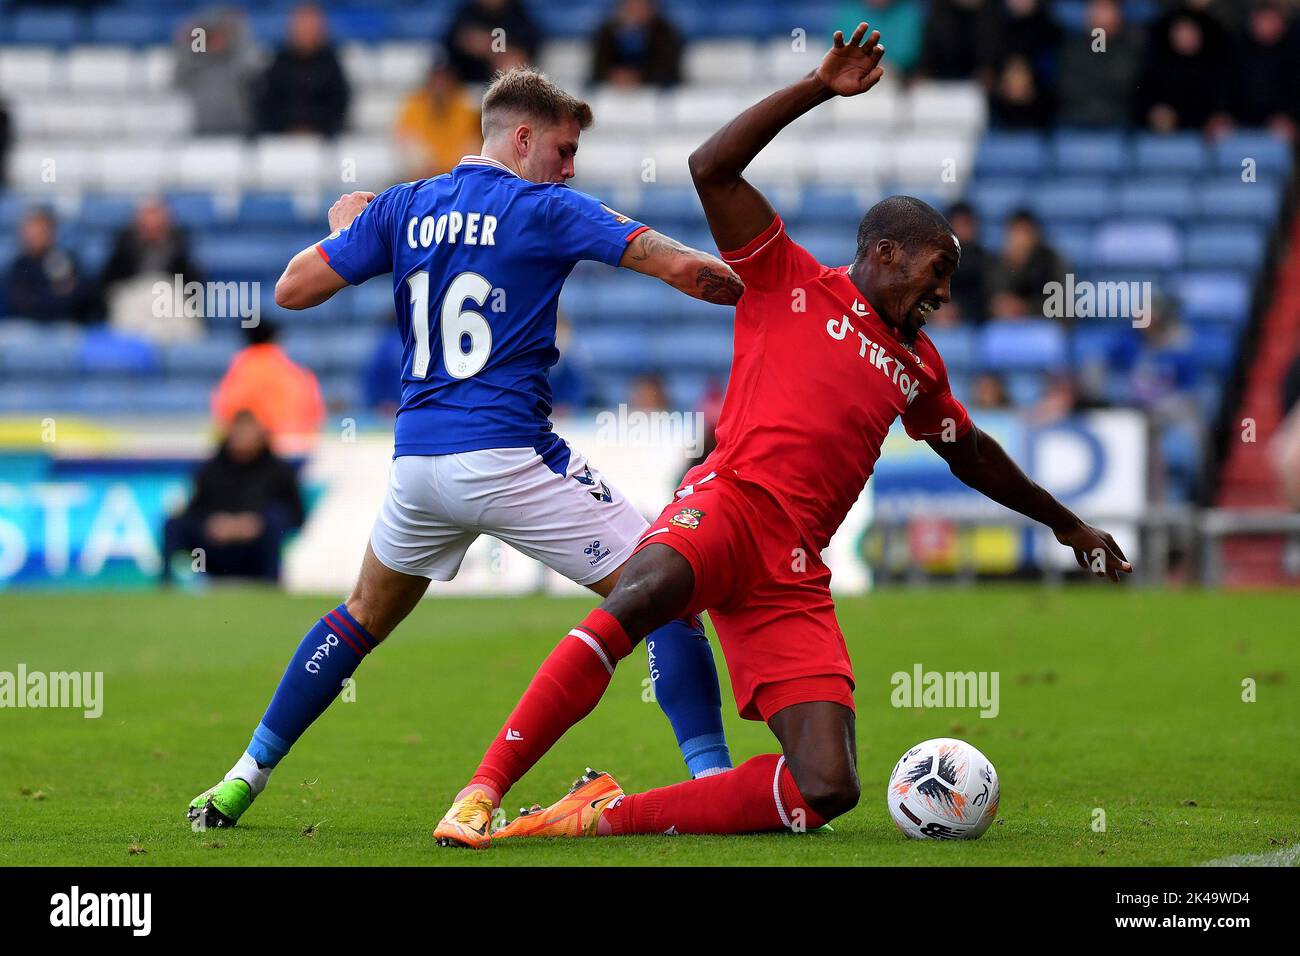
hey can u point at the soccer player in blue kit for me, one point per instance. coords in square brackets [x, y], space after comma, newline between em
[478, 257]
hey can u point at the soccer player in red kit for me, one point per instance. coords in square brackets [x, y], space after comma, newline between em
[825, 360]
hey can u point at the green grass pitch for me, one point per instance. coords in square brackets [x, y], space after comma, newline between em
[1126, 701]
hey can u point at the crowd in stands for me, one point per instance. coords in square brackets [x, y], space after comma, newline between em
[1189, 65]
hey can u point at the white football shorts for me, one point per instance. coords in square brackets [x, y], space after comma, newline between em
[437, 505]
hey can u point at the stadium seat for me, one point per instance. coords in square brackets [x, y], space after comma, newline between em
[950, 107]
[1170, 153]
[104, 351]
[956, 343]
[1231, 198]
[1213, 296]
[1215, 347]
[717, 63]
[132, 27]
[48, 26]
[1011, 154]
[1138, 243]
[1074, 199]
[29, 70]
[1169, 198]
[1225, 247]
[103, 69]
[1269, 153]
[1077, 153]
[1009, 345]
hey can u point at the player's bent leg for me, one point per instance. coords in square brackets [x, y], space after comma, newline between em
[327, 656]
[654, 588]
[818, 739]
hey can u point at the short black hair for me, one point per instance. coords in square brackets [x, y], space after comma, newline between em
[905, 219]
[261, 332]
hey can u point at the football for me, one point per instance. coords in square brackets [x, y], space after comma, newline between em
[943, 789]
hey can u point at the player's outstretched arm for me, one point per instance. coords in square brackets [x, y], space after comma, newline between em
[307, 279]
[688, 270]
[981, 463]
[736, 211]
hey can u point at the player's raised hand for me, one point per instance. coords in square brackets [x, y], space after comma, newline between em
[1096, 551]
[853, 67]
[347, 207]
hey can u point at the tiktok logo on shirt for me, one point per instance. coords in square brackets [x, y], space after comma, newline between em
[875, 354]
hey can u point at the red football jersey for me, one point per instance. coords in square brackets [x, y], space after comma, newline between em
[817, 380]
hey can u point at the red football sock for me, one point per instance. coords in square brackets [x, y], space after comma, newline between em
[758, 795]
[564, 690]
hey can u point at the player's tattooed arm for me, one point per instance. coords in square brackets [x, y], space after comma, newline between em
[736, 211]
[688, 270]
[980, 462]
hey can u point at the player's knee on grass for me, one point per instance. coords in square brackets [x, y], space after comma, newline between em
[830, 791]
[654, 588]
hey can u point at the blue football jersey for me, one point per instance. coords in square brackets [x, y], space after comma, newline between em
[478, 256]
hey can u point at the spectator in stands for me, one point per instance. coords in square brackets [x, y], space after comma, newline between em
[381, 382]
[637, 46]
[901, 24]
[988, 391]
[152, 250]
[45, 281]
[1182, 82]
[961, 41]
[647, 393]
[1023, 92]
[438, 123]
[1100, 70]
[1017, 100]
[490, 35]
[1264, 76]
[216, 67]
[246, 500]
[284, 396]
[1016, 280]
[969, 283]
[305, 89]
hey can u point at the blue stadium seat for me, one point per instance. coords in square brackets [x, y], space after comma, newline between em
[420, 22]
[1271, 155]
[207, 358]
[1008, 345]
[1025, 388]
[193, 210]
[265, 209]
[106, 211]
[995, 199]
[1225, 247]
[359, 24]
[956, 344]
[1171, 153]
[619, 348]
[129, 26]
[1093, 343]
[1140, 243]
[104, 351]
[52, 27]
[1169, 197]
[1076, 152]
[1215, 347]
[40, 357]
[1232, 199]
[1213, 296]
[1073, 242]
[1010, 154]
[1074, 199]
[692, 349]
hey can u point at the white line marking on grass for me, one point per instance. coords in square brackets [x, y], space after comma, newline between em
[1287, 856]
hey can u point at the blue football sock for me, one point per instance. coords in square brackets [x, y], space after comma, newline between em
[686, 686]
[327, 657]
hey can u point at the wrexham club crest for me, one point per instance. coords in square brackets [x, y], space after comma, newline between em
[688, 518]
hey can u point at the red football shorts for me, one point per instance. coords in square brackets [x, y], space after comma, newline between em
[766, 592]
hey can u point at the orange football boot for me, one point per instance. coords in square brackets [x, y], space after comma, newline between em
[468, 823]
[573, 815]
